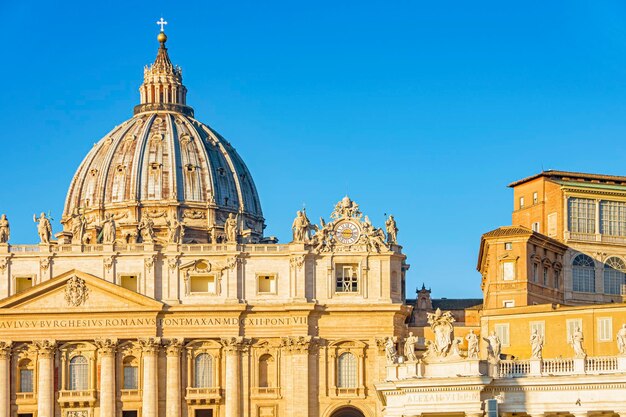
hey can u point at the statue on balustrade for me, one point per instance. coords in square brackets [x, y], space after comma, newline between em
[536, 345]
[392, 230]
[472, 345]
[576, 341]
[390, 351]
[5, 231]
[44, 228]
[494, 347]
[409, 347]
[230, 228]
[79, 224]
[441, 325]
[323, 238]
[301, 228]
[108, 229]
[146, 230]
[176, 230]
[621, 340]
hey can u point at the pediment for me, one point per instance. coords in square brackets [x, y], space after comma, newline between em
[78, 291]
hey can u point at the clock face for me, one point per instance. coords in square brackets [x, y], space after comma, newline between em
[347, 233]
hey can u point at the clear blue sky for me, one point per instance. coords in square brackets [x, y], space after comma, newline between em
[421, 109]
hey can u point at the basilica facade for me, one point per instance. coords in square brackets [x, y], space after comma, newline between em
[162, 297]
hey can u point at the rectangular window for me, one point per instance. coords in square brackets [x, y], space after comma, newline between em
[557, 279]
[535, 197]
[502, 331]
[130, 377]
[552, 224]
[521, 202]
[508, 271]
[613, 218]
[200, 284]
[539, 326]
[266, 284]
[26, 380]
[347, 277]
[23, 283]
[130, 282]
[536, 226]
[545, 276]
[605, 329]
[508, 303]
[535, 273]
[581, 215]
[572, 325]
[508, 246]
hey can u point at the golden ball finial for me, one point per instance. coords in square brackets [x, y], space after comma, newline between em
[162, 37]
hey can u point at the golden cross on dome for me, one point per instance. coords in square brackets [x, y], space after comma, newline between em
[162, 23]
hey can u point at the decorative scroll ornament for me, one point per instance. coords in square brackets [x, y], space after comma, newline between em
[108, 263]
[4, 262]
[231, 263]
[194, 214]
[149, 262]
[297, 262]
[76, 291]
[44, 263]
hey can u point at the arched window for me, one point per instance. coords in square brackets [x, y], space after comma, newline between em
[79, 374]
[266, 371]
[203, 371]
[346, 371]
[131, 380]
[614, 276]
[26, 376]
[584, 274]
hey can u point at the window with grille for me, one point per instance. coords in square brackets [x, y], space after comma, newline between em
[79, 374]
[130, 376]
[535, 273]
[613, 218]
[605, 329]
[557, 279]
[203, 371]
[26, 380]
[584, 274]
[581, 215]
[614, 277]
[347, 277]
[502, 331]
[347, 371]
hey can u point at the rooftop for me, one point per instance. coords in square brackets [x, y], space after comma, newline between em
[576, 176]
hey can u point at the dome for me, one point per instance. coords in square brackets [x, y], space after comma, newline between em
[162, 167]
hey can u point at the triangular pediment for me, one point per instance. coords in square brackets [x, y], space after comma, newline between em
[78, 291]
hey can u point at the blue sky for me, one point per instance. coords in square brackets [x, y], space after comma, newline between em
[426, 110]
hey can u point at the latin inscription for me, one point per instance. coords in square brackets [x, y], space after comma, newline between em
[162, 322]
[442, 397]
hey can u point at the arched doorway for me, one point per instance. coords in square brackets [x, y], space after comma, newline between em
[347, 412]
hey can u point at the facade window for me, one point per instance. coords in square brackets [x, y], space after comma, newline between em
[266, 371]
[584, 274]
[508, 271]
[535, 273]
[266, 284]
[346, 371]
[508, 246]
[347, 278]
[26, 376]
[605, 329]
[539, 327]
[535, 197]
[502, 331]
[509, 303]
[572, 326]
[521, 202]
[545, 276]
[206, 284]
[536, 226]
[79, 373]
[557, 279]
[23, 283]
[130, 282]
[131, 380]
[613, 218]
[581, 215]
[614, 277]
[203, 371]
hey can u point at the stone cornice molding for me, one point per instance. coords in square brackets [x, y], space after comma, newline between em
[45, 347]
[106, 347]
[174, 346]
[150, 345]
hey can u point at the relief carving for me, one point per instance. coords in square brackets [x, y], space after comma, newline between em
[76, 291]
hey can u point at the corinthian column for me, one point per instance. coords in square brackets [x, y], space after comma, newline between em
[297, 347]
[45, 382]
[232, 348]
[172, 401]
[150, 400]
[106, 350]
[5, 382]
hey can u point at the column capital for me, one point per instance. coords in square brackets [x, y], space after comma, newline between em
[297, 344]
[5, 350]
[174, 346]
[106, 347]
[150, 345]
[45, 347]
[234, 344]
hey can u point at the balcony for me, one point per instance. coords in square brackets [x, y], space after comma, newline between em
[266, 392]
[130, 395]
[198, 396]
[25, 398]
[84, 398]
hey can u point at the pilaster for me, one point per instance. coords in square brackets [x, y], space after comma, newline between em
[5, 381]
[173, 398]
[232, 347]
[150, 400]
[106, 350]
[45, 381]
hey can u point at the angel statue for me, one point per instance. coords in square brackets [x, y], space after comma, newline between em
[323, 237]
[44, 228]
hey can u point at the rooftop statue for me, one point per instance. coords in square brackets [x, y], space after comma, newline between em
[108, 229]
[390, 351]
[441, 324]
[324, 237]
[230, 228]
[176, 230]
[576, 341]
[494, 347]
[146, 230]
[5, 231]
[346, 208]
[472, 345]
[44, 228]
[78, 227]
[621, 340]
[301, 228]
[409, 347]
[392, 230]
[536, 344]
